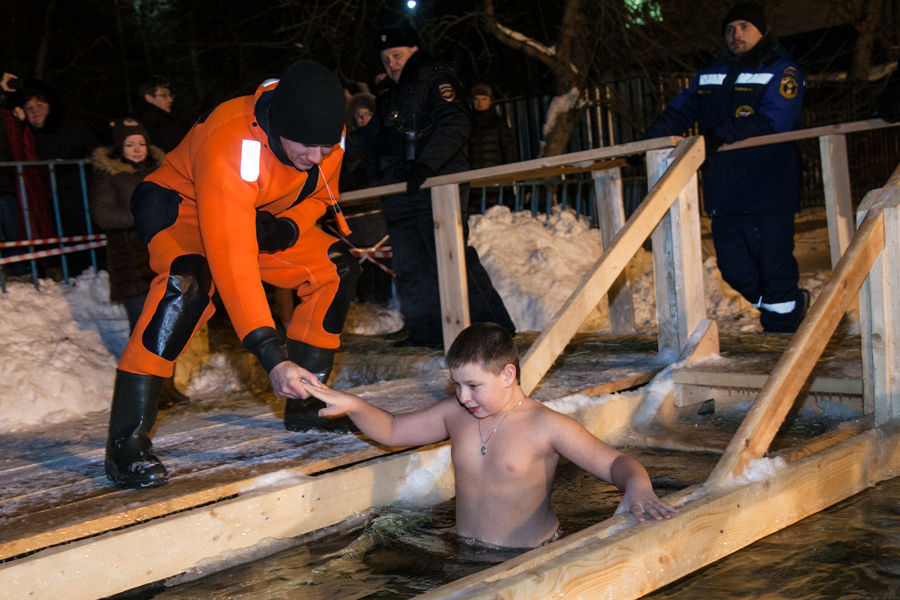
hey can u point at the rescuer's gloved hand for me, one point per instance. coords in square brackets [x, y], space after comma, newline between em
[417, 177]
[274, 234]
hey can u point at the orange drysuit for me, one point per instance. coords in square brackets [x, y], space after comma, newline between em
[223, 172]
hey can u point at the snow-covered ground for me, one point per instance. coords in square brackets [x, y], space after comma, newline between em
[59, 345]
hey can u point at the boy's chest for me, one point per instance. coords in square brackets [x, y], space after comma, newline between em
[497, 457]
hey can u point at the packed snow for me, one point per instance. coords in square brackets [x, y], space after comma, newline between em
[59, 344]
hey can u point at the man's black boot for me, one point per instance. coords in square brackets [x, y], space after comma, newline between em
[130, 462]
[300, 415]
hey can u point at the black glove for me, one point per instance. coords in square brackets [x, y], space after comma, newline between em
[267, 346]
[712, 143]
[273, 234]
[417, 177]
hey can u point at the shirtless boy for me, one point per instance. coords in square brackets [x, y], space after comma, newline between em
[505, 446]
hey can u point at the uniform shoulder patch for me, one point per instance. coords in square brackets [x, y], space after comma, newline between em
[788, 86]
[448, 94]
[792, 71]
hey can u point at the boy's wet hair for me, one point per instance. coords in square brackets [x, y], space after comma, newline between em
[486, 345]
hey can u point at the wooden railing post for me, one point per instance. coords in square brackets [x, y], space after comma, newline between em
[610, 207]
[451, 260]
[838, 199]
[879, 303]
[677, 262]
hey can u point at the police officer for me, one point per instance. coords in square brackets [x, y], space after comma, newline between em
[233, 205]
[753, 88]
[423, 127]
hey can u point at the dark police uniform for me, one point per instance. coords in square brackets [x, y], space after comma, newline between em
[423, 125]
[751, 194]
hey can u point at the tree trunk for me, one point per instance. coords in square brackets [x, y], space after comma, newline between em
[866, 28]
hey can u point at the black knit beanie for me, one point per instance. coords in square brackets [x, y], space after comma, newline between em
[747, 11]
[308, 105]
[395, 36]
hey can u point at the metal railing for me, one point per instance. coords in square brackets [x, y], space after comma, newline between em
[63, 242]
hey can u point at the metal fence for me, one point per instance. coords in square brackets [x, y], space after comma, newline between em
[38, 183]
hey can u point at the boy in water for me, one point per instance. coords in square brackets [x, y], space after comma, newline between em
[505, 446]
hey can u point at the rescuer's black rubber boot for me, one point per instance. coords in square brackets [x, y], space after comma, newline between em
[130, 462]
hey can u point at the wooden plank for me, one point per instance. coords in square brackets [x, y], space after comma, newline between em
[527, 167]
[168, 546]
[812, 132]
[451, 261]
[552, 341]
[609, 205]
[879, 323]
[838, 199]
[677, 263]
[288, 507]
[823, 385]
[758, 428]
[619, 559]
[550, 172]
[873, 301]
[613, 387]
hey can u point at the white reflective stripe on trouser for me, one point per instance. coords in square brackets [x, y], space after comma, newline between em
[782, 308]
[250, 150]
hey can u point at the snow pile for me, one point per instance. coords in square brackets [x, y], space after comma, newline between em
[761, 469]
[54, 363]
[535, 263]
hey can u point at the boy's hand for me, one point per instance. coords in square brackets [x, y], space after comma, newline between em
[642, 501]
[336, 403]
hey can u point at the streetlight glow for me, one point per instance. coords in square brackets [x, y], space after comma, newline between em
[411, 4]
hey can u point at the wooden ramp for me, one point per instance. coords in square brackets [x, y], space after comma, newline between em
[54, 490]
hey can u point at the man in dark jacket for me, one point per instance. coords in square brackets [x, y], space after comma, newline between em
[753, 88]
[422, 128]
[156, 114]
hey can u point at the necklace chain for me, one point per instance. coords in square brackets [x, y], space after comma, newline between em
[484, 442]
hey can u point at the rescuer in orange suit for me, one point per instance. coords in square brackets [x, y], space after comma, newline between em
[233, 205]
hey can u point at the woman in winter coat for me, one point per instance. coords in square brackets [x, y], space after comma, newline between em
[117, 172]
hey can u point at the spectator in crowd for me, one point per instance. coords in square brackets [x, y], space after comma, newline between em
[753, 88]
[491, 141]
[423, 125]
[156, 114]
[232, 206]
[366, 220]
[58, 135]
[118, 170]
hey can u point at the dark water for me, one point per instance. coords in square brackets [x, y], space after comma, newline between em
[851, 550]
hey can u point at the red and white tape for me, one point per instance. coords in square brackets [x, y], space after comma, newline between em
[52, 252]
[59, 240]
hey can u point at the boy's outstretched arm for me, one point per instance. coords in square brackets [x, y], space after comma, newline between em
[424, 426]
[580, 446]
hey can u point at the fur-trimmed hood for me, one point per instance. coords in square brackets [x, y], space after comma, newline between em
[102, 159]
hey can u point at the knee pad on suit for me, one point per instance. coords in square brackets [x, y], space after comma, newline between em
[181, 307]
[348, 270]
